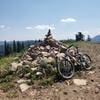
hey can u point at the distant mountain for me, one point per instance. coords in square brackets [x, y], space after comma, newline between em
[96, 39]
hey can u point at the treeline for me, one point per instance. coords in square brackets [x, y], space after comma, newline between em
[78, 37]
[81, 37]
[18, 46]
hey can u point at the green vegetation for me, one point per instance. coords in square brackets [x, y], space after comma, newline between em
[6, 86]
[5, 61]
[6, 75]
[73, 42]
[12, 94]
[68, 42]
[47, 81]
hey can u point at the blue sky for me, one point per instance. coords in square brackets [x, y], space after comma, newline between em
[30, 19]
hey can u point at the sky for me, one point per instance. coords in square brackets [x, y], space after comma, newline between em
[31, 19]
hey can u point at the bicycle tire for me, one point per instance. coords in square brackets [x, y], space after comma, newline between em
[64, 72]
[87, 60]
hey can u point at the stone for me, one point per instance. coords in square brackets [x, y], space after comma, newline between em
[32, 46]
[34, 55]
[67, 82]
[27, 75]
[48, 47]
[50, 60]
[25, 62]
[45, 54]
[20, 64]
[80, 82]
[60, 55]
[41, 48]
[34, 62]
[23, 81]
[29, 58]
[34, 69]
[15, 65]
[63, 47]
[24, 87]
[38, 73]
[91, 72]
[55, 52]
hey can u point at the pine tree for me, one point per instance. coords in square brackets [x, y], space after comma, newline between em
[5, 47]
[18, 46]
[79, 36]
[8, 49]
[14, 46]
[23, 47]
[88, 38]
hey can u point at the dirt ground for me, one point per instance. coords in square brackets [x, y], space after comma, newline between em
[66, 90]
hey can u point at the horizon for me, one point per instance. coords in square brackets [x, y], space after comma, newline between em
[31, 19]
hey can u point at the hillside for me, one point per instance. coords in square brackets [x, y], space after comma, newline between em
[96, 39]
[65, 89]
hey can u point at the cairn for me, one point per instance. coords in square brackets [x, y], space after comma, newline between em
[39, 60]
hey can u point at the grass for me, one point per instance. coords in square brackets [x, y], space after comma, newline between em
[70, 42]
[6, 86]
[12, 94]
[6, 75]
[6, 61]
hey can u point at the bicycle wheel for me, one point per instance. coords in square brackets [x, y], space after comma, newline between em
[65, 68]
[86, 61]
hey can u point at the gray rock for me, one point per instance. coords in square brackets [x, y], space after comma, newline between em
[32, 46]
[23, 81]
[26, 62]
[34, 69]
[91, 72]
[24, 87]
[41, 48]
[80, 82]
[34, 62]
[60, 55]
[50, 60]
[48, 47]
[45, 54]
[38, 73]
[15, 65]
[29, 58]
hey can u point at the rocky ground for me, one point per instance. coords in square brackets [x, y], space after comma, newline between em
[84, 85]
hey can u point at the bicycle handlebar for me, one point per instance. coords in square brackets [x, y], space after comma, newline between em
[72, 46]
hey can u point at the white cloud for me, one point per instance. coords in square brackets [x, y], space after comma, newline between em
[29, 28]
[44, 27]
[68, 20]
[2, 26]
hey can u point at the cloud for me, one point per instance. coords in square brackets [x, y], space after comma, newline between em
[4, 27]
[29, 28]
[44, 27]
[68, 20]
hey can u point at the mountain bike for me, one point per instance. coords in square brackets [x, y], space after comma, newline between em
[73, 58]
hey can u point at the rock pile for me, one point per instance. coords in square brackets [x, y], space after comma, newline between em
[43, 54]
[39, 60]
[49, 48]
